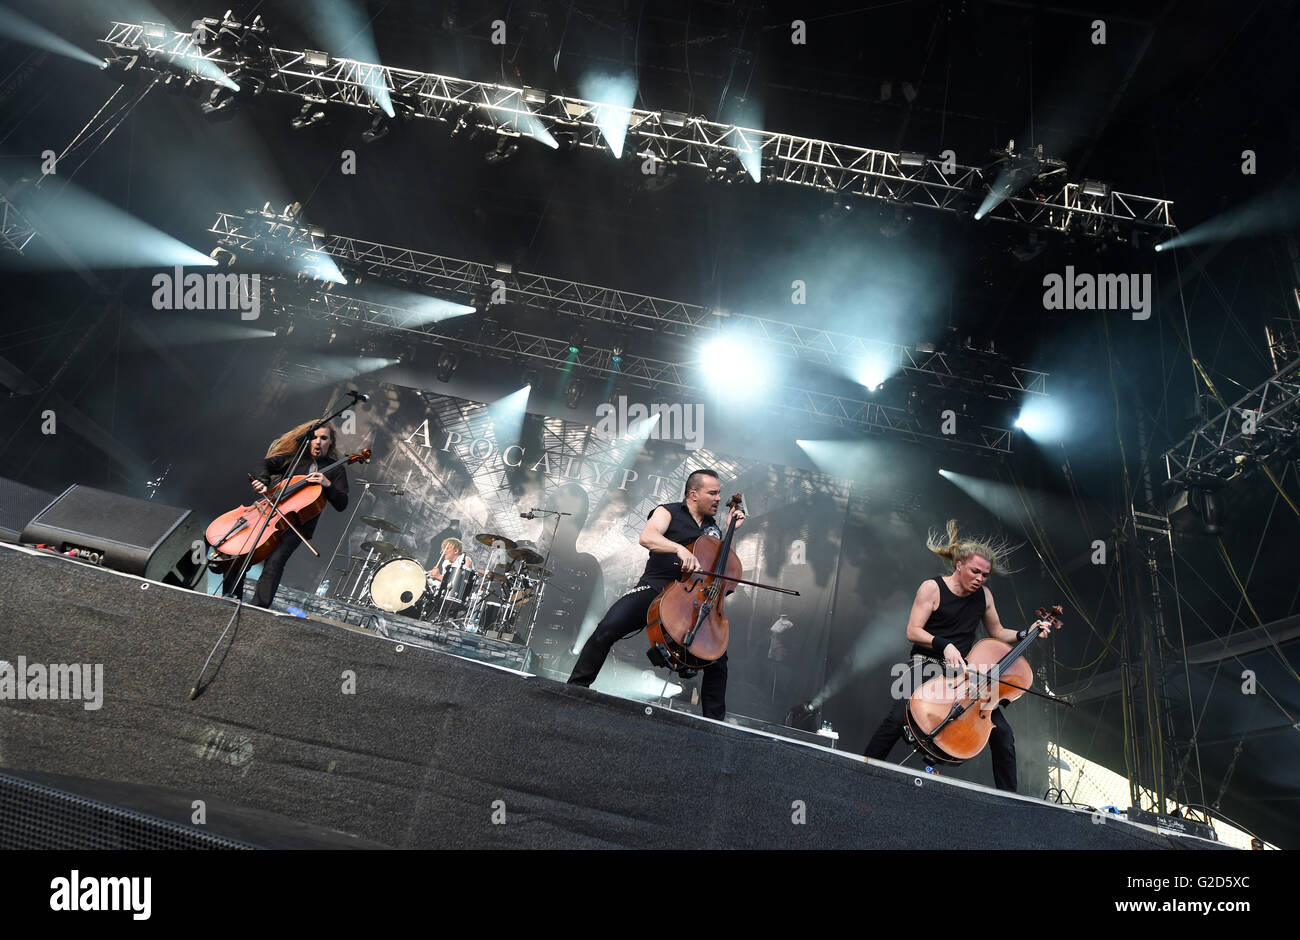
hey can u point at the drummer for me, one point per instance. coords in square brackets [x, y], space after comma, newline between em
[453, 556]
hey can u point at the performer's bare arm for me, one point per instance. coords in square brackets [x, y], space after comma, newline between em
[653, 538]
[993, 624]
[925, 603]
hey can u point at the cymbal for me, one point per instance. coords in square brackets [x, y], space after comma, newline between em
[384, 548]
[527, 553]
[490, 540]
[537, 571]
[497, 576]
[382, 524]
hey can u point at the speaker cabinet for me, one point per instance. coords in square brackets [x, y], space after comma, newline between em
[18, 505]
[137, 536]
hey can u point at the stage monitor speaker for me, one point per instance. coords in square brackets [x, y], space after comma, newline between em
[137, 536]
[18, 505]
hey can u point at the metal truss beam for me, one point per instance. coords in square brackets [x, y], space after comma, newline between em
[620, 310]
[1220, 448]
[596, 361]
[671, 138]
[15, 230]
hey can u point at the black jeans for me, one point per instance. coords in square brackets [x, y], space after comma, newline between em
[272, 571]
[1002, 740]
[627, 618]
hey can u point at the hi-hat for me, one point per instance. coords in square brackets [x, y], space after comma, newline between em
[537, 571]
[384, 548]
[381, 524]
[490, 540]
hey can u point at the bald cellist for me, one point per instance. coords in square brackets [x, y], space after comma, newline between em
[669, 529]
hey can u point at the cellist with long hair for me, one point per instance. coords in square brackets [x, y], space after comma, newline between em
[944, 623]
[322, 450]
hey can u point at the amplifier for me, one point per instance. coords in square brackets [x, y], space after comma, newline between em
[137, 536]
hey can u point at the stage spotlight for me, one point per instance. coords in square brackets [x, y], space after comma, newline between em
[726, 356]
[616, 356]
[804, 717]
[310, 114]
[1018, 171]
[222, 256]
[506, 416]
[1043, 419]
[911, 159]
[574, 391]
[1209, 506]
[872, 371]
[154, 30]
[378, 129]
[316, 59]
[221, 102]
[503, 150]
[532, 378]
[615, 96]
[446, 367]
[750, 155]
[575, 343]
[1095, 188]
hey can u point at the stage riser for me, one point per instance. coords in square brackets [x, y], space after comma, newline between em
[423, 751]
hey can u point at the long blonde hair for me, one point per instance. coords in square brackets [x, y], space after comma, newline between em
[287, 443]
[953, 549]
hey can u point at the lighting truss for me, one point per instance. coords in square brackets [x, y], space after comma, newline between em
[15, 230]
[1219, 449]
[619, 309]
[837, 410]
[671, 138]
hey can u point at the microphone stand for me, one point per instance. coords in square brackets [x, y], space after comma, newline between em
[366, 484]
[303, 443]
[532, 624]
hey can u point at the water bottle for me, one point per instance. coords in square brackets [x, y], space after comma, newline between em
[324, 588]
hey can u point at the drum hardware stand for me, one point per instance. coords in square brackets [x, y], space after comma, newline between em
[459, 566]
[367, 484]
[541, 589]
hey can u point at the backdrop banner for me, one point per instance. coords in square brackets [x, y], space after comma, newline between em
[462, 472]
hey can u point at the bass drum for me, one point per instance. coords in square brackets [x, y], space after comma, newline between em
[397, 586]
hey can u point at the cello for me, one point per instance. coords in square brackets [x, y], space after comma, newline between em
[949, 718]
[235, 534]
[686, 624]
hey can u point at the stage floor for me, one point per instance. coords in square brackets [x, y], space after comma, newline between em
[341, 729]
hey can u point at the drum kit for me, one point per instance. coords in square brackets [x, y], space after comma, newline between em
[501, 601]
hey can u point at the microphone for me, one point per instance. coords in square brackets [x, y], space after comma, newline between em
[527, 515]
[357, 396]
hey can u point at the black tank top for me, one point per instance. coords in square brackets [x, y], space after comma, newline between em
[662, 567]
[956, 619]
